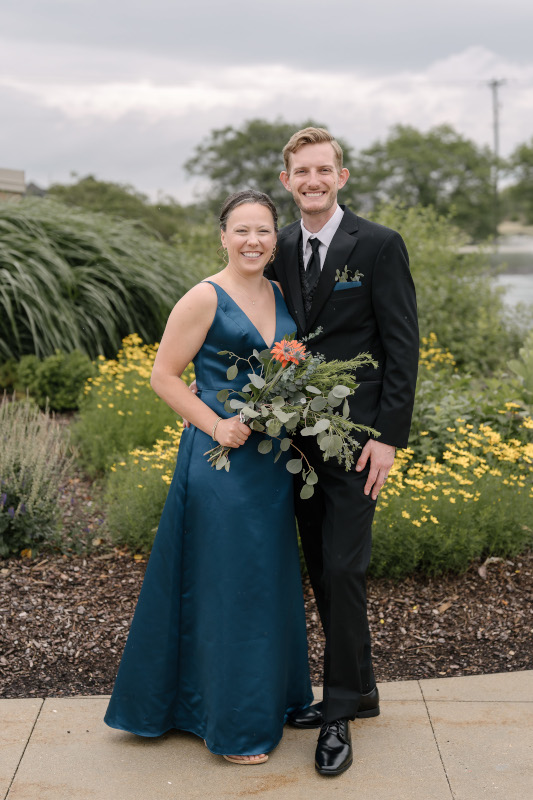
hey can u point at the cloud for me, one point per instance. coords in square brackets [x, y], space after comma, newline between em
[141, 130]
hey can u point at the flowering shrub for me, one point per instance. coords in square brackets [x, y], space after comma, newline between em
[136, 491]
[440, 515]
[443, 395]
[33, 464]
[119, 410]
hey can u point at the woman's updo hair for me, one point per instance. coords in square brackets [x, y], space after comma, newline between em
[246, 196]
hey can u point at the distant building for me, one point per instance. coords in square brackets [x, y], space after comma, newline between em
[12, 183]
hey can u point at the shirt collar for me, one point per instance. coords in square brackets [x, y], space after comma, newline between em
[326, 233]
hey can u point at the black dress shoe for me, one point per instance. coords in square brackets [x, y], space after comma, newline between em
[369, 704]
[334, 748]
[311, 717]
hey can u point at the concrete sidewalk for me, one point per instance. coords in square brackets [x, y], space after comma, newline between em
[461, 738]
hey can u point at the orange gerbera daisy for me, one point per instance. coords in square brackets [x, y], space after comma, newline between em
[288, 351]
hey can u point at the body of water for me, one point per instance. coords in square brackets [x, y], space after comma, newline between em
[515, 254]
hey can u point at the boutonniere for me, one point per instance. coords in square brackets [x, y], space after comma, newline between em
[347, 276]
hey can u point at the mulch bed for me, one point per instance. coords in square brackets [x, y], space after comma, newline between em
[64, 622]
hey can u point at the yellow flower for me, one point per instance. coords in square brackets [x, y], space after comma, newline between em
[406, 515]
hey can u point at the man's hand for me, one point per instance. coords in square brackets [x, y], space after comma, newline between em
[381, 460]
[194, 389]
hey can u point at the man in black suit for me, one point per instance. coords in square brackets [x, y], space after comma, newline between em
[351, 278]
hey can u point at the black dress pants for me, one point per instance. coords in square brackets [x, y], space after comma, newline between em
[335, 529]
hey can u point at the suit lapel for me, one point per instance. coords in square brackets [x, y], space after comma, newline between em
[293, 289]
[339, 252]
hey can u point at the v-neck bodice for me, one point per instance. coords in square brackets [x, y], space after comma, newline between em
[234, 331]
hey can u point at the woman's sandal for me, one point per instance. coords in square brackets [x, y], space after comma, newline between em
[243, 759]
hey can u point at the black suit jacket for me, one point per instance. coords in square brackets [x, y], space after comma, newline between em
[378, 317]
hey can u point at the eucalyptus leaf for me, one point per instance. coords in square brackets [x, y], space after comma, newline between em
[312, 478]
[307, 491]
[281, 415]
[318, 403]
[227, 466]
[265, 411]
[277, 456]
[257, 426]
[295, 465]
[227, 407]
[250, 413]
[341, 391]
[256, 380]
[265, 354]
[221, 463]
[273, 427]
[322, 425]
[277, 401]
[232, 372]
[256, 354]
[346, 409]
[313, 389]
[285, 444]
[223, 395]
[333, 400]
[234, 403]
[265, 446]
[222, 352]
[307, 431]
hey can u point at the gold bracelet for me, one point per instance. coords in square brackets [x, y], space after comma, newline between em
[218, 419]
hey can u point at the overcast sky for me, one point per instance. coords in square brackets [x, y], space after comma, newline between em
[125, 90]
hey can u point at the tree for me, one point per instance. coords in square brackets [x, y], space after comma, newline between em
[166, 217]
[439, 168]
[249, 158]
[520, 194]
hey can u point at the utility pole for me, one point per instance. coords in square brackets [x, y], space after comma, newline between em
[494, 85]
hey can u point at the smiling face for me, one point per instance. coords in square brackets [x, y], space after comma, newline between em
[250, 237]
[314, 180]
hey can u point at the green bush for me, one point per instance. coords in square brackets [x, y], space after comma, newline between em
[72, 279]
[444, 395]
[119, 410]
[33, 465]
[56, 381]
[456, 292]
[8, 375]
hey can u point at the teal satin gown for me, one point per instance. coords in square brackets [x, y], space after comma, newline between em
[218, 642]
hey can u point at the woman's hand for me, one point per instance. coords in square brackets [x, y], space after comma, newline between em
[232, 432]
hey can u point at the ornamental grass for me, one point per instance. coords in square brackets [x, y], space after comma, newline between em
[71, 279]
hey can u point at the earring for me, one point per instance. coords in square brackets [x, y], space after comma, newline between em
[274, 252]
[223, 253]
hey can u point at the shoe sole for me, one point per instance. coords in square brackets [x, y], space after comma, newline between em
[372, 712]
[332, 773]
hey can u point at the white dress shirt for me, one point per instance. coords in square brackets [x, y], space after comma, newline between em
[325, 235]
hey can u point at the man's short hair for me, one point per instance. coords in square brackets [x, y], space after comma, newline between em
[311, 136]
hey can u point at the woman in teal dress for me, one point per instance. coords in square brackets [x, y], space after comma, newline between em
[218, 643]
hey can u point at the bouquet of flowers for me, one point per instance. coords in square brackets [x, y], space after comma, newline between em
[294, 390]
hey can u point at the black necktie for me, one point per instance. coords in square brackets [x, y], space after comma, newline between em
[312, 273]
